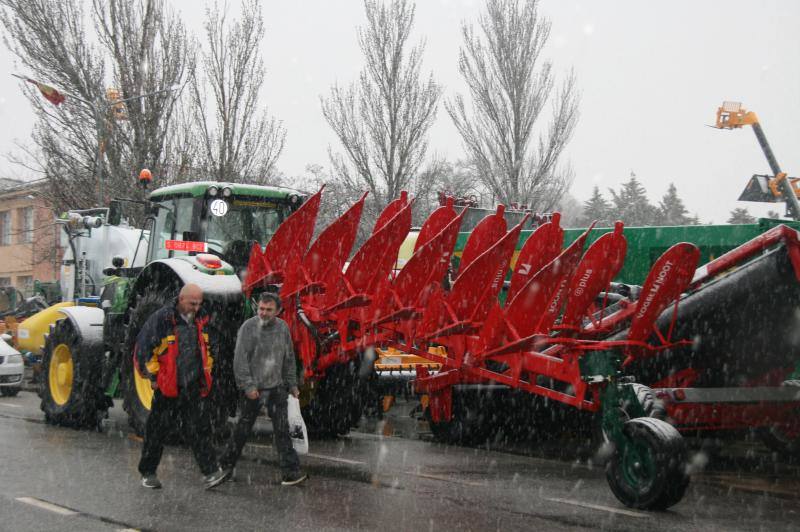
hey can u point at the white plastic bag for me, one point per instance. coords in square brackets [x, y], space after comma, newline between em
[297, 427]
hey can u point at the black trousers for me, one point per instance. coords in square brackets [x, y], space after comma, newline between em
[277, 409]
[188, 408]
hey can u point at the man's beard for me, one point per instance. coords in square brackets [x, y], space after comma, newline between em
[265, 321]
[190, 317]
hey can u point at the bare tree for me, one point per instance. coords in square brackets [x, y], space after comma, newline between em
[239, 140]
[149, 49]
[510, 84]
[48, 39]
[82, 149]
[382, 120]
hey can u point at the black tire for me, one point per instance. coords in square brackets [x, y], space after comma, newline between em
[776, 438]
[136, 391]
[652, 406]
[135, 395]
[337, 403]
[470, 423]
[649, 472]
[9, 391]
[71, 371]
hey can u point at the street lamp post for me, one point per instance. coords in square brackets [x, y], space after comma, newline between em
[98, 108]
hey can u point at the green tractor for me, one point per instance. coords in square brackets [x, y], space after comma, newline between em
[201, 233]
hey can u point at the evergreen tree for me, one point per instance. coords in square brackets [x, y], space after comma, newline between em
[631, 205]
[741, 216]
[671, 209]
[596, 208]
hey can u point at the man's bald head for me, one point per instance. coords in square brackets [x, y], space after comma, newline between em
[189, 299]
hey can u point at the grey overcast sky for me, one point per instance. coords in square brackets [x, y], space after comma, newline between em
[652, 75]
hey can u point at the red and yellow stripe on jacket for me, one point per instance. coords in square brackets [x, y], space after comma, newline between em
[164, 359]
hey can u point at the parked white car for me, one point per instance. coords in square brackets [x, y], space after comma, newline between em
[11, 368]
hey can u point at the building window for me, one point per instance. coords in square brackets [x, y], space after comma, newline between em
[5, 228]
[5, 281]
[25, 225]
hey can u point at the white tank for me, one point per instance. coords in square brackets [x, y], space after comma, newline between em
[96, 243]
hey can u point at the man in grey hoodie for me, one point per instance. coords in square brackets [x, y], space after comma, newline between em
[264, 367]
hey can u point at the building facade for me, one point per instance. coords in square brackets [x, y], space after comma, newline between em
[29, 237]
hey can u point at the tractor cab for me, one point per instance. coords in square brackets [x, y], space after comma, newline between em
[207, 218]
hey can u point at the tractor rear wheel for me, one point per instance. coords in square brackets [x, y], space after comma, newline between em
[69, 392]
[137, 392]
[648, 471]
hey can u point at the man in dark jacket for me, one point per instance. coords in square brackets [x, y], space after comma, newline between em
[172, 351]
[264, 367]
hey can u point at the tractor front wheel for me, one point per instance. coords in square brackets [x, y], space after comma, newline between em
[137, 392]
[648, 468]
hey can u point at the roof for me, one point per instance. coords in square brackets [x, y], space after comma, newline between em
[198, 188]
[12, 187]
[6, 184]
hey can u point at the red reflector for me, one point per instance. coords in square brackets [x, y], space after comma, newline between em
[680, 395]
[186, 245]
[209, 261]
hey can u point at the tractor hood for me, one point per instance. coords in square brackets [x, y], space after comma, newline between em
[216, 283]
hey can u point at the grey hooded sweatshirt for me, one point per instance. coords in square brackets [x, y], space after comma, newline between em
[264, 356]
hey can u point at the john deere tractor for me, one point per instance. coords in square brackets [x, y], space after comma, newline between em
[201, 233]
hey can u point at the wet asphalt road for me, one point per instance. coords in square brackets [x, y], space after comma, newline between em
[62, 479]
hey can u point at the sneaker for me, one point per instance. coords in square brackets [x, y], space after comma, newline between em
[216, 478]
[151, 481]
[293, 478]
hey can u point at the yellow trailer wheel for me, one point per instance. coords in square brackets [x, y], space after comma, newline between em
[60, 374]
[70, 393]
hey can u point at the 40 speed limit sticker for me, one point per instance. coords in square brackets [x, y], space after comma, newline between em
[218, 207]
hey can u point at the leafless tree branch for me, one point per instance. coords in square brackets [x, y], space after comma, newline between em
[510, 85]
[383, 118]
[239, 140]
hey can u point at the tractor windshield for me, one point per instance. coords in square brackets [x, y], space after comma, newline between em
[244, 221]
[228, 227]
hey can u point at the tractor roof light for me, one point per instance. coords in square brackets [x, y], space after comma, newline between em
[208, 260]
[226, 192]
[212, 191]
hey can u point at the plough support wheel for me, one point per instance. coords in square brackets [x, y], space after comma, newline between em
[647, 469]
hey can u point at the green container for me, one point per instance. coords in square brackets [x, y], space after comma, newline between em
[646, 244]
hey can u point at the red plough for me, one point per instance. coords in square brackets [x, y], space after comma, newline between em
[558, 335]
